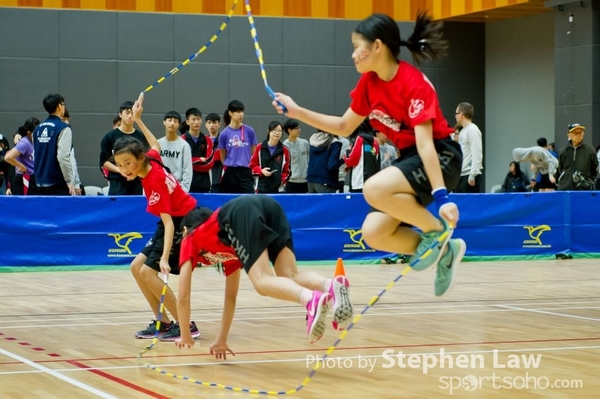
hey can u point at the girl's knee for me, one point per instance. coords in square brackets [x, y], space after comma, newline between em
[259, 287]
[375, 191]
[370, 234]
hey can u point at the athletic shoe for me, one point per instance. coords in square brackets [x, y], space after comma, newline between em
[175, 332]
[446, 269]
[427, 253]
[315, 317]
[150, 331]
[342, 308]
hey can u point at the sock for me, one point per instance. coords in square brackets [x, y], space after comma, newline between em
[327, 285]
[305, 296]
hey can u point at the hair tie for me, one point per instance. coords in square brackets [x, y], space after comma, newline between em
[404, 43]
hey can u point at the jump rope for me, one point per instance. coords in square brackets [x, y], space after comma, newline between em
[259, 56]
[315, 368]
[161, 308]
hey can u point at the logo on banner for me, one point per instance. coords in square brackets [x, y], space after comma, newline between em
[122, 241]
[535, 235]
[358, 244]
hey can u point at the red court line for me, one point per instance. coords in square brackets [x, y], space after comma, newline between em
[349, 348]
[118, 380]
[100, 373]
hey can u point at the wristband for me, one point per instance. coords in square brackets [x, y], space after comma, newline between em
[440, 196]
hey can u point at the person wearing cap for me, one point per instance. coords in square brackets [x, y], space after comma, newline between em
[577, 162]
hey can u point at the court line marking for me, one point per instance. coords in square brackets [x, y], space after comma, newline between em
[542, 311]
[348, 348]
[56, 374]
[251, 310]
[117, 380]
[381, 306]
[505, 308]
[293, 360]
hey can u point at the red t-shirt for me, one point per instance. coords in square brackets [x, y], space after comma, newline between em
[397, 106]
[163, 192]
[203, 246]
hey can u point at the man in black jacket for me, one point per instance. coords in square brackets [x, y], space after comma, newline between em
[577, 162]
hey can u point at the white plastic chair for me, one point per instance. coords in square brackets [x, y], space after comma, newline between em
[93, 190]
[105, 190]
[497, 188]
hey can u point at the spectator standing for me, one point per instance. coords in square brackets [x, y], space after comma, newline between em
[52, 144]
[203, 154]
[577, 162]
[237, 143]
[271, 161]
[176, 153]
[213, 123]
[118, 183]
[299, 154]
[324, 162]
[471, 145]
[21, 157]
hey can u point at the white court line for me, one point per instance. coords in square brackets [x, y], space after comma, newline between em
[380, 307]
[549, 313]
[506, 308]
[304, 359]
[58, 375]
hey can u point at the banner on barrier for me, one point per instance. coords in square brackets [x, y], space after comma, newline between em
[63, 231]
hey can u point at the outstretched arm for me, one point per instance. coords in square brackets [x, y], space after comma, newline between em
[339, 125]
[183, 305]
[219, 348]
[137, 115]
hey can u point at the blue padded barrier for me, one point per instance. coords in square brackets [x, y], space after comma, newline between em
[64, 231]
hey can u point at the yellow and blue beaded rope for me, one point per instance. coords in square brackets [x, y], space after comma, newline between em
[315, 368]
[191, 57]
[259, 55]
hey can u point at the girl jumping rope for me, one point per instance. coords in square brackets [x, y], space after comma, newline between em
[402, 103]
[168, 201]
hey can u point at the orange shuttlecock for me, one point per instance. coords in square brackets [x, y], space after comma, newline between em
[339, 268]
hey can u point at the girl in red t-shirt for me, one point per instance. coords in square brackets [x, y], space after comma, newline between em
[401, 102]
[168, 201]
[252, 232]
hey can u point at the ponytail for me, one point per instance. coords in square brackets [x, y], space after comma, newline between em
[226, 117]
[425, 43]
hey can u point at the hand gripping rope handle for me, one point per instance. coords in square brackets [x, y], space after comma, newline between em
[259, 56]
[328, 353]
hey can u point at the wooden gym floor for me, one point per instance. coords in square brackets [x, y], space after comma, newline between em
[527, 329]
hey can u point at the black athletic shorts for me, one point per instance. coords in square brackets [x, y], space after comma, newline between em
[154, 248]
[411, 165]
[253, 223]
[546, 183]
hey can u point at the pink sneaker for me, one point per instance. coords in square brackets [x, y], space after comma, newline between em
[315, 318]
[342, 308]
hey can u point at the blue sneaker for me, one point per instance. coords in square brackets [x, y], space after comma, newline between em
[446, 268]
[427, 253]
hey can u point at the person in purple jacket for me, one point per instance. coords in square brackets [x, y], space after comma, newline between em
[21, 157]
[236, 145]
